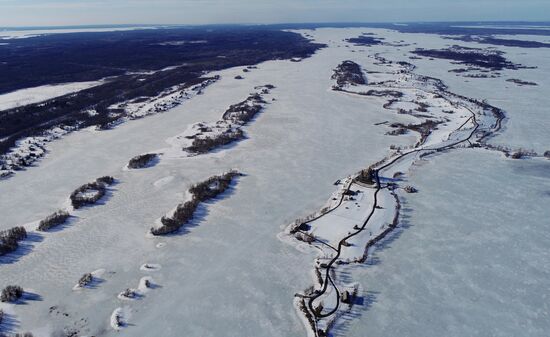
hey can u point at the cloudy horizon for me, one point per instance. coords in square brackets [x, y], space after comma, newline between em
[102, 12]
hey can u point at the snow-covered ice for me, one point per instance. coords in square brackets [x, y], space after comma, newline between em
[230, 275]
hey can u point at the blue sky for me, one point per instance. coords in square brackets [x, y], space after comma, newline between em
[82, 12]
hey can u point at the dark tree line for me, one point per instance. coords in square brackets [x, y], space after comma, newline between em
[90, 193]
[9, 239]
[53, 220]
[207, 144]
[11, 294]
[142, 160]
[201, 192]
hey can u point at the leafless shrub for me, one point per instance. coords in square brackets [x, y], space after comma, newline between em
[9, 239]
[410, 189]
[208, 189]
[141, 161]
[53, 220]
[90, 193]
[85, 280]
[11, 293]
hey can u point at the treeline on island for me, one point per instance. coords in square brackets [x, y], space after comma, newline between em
[90, 193]
[201, 192]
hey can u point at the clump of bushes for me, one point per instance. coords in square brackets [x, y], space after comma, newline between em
[9, 239]
[348, 73]
[213, 186]
[90, 193]
[183, 213]
[129, 293]
[53, 220]
[141, 161]
[107, 180]
[208, 189]
[410, 189]
[244, 111]
[11, 294]
[547, 154]
[366, 176]
[85, 280]
[204, 145]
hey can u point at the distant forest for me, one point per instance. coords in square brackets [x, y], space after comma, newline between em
[126, 55]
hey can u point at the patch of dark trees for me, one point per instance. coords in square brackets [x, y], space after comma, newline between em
[501, 42]
[239, 114]
[521, 82]
[62, 58]
[424, 128]
[383, 93]
[141, 161]
[349, 72]
[90, 193]
[209, 143]
[9, 239]
[11, 294]
[85, 280]
[243, 112]
[53, 220]
[493, 60]
[204, 191]
[366, 40]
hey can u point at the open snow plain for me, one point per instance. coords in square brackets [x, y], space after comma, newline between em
[227, 274]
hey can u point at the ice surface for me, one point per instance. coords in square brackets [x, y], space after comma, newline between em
[472, 257]
[39, 94]
[230, 276]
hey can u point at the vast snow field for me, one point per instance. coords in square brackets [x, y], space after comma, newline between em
[228, 274]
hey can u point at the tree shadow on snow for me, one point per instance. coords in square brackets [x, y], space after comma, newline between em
[24, 248]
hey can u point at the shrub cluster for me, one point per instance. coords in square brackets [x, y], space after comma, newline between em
[90, 193]
[366, 176]
[141, 161]
[9, 239]
[184, 212]
[85, 280]
[53, 220]
[348, 72]
[11, 294]
[244, 111]
[208, 189]
[204, 145]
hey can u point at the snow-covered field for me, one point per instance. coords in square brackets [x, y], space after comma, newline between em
[27, 96]
[229, 275]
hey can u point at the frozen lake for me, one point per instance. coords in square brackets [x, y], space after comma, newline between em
[473, 259]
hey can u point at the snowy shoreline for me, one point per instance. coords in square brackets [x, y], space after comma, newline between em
[379, 187]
